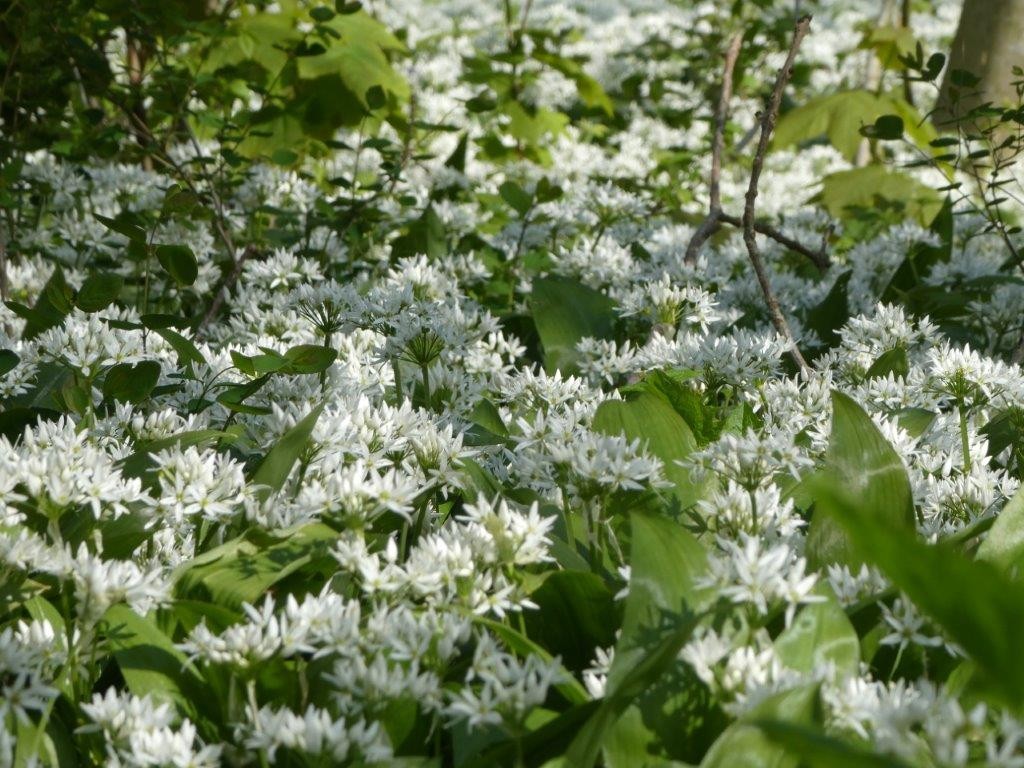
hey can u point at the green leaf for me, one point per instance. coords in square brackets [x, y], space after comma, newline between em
[186, 351]
[831, 314]
[861, 187]
[885, 128]
[519, 199]
[322, 13]
[564, 312]
[149, 662]
[309, 358]
[1004, 545]
[179, 262]
[99, 291]
[675, 716]
[820, 634]
[839, 116]
[816, 749]
[661, 431]
[178, 200]
[131, 383]
[892, 361]
[242, 570]
[861, 461]
[426, 235]
[273, 471]
[978, 607]
[126, 224]
[745, 745]
[577, 614]
[8, 361]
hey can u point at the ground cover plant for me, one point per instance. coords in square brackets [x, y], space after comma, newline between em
[566, 383]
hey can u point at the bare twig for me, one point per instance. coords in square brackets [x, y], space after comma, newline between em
[819, 257]
[4, 288]
[222, 293]
[767, 120]
[716, 216]
[710, 224]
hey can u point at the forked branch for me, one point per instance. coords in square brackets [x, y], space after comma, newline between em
[767, 120]
[716, 216]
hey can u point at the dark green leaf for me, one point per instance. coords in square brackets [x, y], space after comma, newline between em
[817, 749]
[131, 383]
[309, 358]
[8, 361]
[564, 312]
[861, 461]
[99, 291]
[277, 464]
[979, 608]
[179, 262]
[661, 431]
[150, 663]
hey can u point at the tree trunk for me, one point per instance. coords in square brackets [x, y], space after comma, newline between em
[989, 42]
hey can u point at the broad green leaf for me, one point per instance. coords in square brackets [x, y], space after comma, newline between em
[179, 262]
[816, 749]
[242, 570]
[839, 117]
[661, 608]
[831, 314]
[131, 383]
[186, 351]
[309, 358]
[577, 614]
[99, 291]
[564, 312]
[519, 199]
[862, 462]
[1004, 545]
[979, 607]
[273, 471]
[124, 223]
[424, 236]
[534, 125]
[859, 188]
[661, 431]
[820, 634]
[745, 745]
[8, 361]
[149, 661]
[892, 361]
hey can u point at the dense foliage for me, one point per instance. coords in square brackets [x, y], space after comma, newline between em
[361, 403]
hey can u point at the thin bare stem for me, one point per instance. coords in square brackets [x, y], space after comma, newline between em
[716, 216]
[767, 120]
[223, 290]
[819, 257]
[710, 224]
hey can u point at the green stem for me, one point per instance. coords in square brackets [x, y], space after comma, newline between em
[963, 439]
[425, 371]
[570, 535]
[399, 396]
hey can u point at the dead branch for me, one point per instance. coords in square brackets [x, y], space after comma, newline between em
[716, 216]
[767, 120]
[710, 224]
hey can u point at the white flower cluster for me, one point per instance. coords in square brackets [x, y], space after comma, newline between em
[349, 556]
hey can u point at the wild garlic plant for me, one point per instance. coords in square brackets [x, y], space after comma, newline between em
[362, 407]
